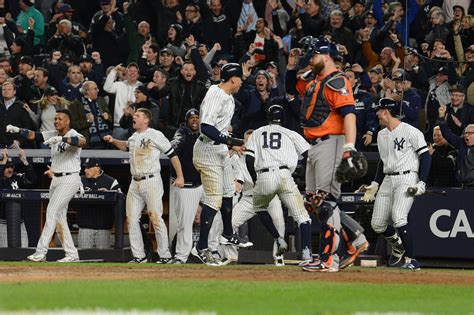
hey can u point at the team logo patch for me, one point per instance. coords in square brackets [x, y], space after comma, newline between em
[398, 144]
[145, 143]
[61, 147]
[344, 91]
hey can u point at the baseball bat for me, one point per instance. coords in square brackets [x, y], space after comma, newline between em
[412, 191]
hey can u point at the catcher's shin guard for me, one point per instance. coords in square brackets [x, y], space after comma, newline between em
[329, 241]
[351, 227]
[316, 203]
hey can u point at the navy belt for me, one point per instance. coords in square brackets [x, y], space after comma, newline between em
[264, 170]
[398, 173]
[63, 174]
[318, 140]
[139, 178]
[191, 185]
[202, 140]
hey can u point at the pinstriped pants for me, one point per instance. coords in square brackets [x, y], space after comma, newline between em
[61, 191]
[147, 192]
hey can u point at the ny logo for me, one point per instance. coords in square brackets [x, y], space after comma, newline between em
[398, 144]
[144, 144]
[61, 147]
[14, 185]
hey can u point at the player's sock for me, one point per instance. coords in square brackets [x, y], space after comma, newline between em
[267, 221]
[226, 213]
[390, 232]
[305, 229]
[207, 216]
[407, 240]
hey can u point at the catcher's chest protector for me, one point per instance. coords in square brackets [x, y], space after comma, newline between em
[315, 116]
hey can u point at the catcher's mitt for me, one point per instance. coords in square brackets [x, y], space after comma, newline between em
[352, 166]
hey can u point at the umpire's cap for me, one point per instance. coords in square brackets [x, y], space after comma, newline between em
[230, 70]
[388, 103]
[275, 114]
[191, 112]
[323, 47]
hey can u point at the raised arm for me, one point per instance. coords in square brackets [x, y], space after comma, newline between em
[119, 144]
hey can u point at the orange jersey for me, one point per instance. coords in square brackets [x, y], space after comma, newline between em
[335, 96]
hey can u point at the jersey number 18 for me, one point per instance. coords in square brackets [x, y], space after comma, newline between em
[272, 140]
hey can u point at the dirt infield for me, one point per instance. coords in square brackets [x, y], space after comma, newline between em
[11, 273]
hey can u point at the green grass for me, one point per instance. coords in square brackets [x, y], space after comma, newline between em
[237, 297]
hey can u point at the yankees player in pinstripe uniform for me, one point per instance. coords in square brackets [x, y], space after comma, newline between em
[185, 201]
[404, 164]
[146, 188]
[244, 209]
[66, 144]
[271, 157]
[211, 159]
[329, 123]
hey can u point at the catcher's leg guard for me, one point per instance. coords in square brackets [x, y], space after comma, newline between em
[329, 240]
[352, 228]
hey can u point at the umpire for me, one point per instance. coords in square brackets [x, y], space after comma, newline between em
[95, 222]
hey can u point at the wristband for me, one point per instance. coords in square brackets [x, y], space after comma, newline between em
[24, 133]
[73, 140]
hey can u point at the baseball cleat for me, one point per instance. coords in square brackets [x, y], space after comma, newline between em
[410, 264]
[349, 260]
[318, 266]
[282, 246]
[138, 260]
[68, 259]
[396, 256]
[205, 256]
[163, 260]
[234, 240]
[175, 261]
[228, 261]
[279, 261]
[306, 257]
[37, 257]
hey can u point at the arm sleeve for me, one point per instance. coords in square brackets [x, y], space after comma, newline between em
[424, 169]
[379, 175]
[249, 161]
[212, 133]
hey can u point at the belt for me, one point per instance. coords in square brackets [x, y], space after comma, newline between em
[398, 173]
[191, 185]
[264, 170]
[203, 140]
[63, 174]
[318, 140]
[139, 178]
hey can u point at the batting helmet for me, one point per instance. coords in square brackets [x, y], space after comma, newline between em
[388, 103]
[230, 70]
[275, 114]
[323, 47]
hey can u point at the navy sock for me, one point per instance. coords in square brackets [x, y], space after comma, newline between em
[226, 213]
[207, 216]
[407, 240]
[305, 229]
[389, 232]
[267, 221]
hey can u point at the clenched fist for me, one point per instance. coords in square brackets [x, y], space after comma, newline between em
[53, 140]
[12, 129]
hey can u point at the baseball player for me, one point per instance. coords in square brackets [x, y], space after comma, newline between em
[185, 201]
[95, 221]
[66, 145]
[12, 180]
[146, 188]
[329, 124]
[211, 159]
[271, 157]
[244, 209]
[401, 175]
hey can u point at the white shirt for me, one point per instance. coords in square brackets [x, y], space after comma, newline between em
[145, 150]
[65, 158]
[217, 109]
[399, 149]
[275, 146]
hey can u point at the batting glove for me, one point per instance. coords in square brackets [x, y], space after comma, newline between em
[370, 192]
[417, 190]
[12, 129]
[53, 140]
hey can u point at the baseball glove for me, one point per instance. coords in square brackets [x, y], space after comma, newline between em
[352, 166]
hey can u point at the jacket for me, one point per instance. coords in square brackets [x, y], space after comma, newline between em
[15, 115]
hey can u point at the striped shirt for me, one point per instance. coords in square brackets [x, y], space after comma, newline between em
[65, 158]
[145, 150]
[275, 146]
[217, 109]
[399, 149]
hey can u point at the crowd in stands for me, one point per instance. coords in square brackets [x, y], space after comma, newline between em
[104, 59]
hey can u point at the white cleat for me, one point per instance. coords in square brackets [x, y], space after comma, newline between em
[68, 259]
[37, 257]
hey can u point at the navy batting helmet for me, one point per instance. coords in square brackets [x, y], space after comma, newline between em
[230, 70]
[275, 114]
[323, 47]
[388, 103]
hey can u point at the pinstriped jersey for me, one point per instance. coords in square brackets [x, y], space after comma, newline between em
[399, 149]
[217, 109]
[243, 175]
[65, 158]
[145, 150]
[274, 146]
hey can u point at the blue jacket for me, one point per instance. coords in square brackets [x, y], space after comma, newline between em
[411, 104]
[367, 121]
